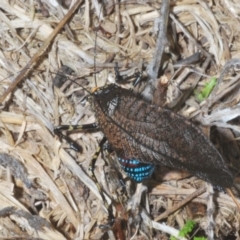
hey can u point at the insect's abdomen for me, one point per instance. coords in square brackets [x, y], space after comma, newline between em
[154, 135]
[135, 169]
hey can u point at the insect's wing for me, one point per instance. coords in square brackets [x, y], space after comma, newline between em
[155, 135]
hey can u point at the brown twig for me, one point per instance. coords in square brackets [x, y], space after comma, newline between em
[161, 44]
[185, 201]
[233, 197]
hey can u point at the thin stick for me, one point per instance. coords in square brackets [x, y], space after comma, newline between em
[233, 197]
[189, 36]
[41, 50]
[181, 204]
[161, 47]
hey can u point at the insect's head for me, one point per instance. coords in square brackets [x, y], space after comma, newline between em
[104, 90]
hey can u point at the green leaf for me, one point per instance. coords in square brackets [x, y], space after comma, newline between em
[207, 89]
[187, 228]
[199, 238]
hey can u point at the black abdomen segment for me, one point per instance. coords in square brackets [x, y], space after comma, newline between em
[136, 170]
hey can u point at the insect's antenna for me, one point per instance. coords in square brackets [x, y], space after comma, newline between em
[90, 93]
[95, 51]
[11, 75]
[95, 45]
[59, 74]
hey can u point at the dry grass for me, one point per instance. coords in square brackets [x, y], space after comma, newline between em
[45, 189]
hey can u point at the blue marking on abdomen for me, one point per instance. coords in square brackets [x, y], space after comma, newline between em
[136, 170]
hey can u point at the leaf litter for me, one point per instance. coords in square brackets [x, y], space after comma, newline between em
[45, 183]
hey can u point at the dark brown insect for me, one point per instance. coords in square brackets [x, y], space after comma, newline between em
[154, 135]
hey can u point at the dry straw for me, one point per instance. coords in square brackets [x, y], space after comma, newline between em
[45, 190]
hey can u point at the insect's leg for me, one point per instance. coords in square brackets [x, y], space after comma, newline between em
[91, 171]
[119, 78]
[58, 131]
[138, 79]
[117, 191]
[117, 183]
